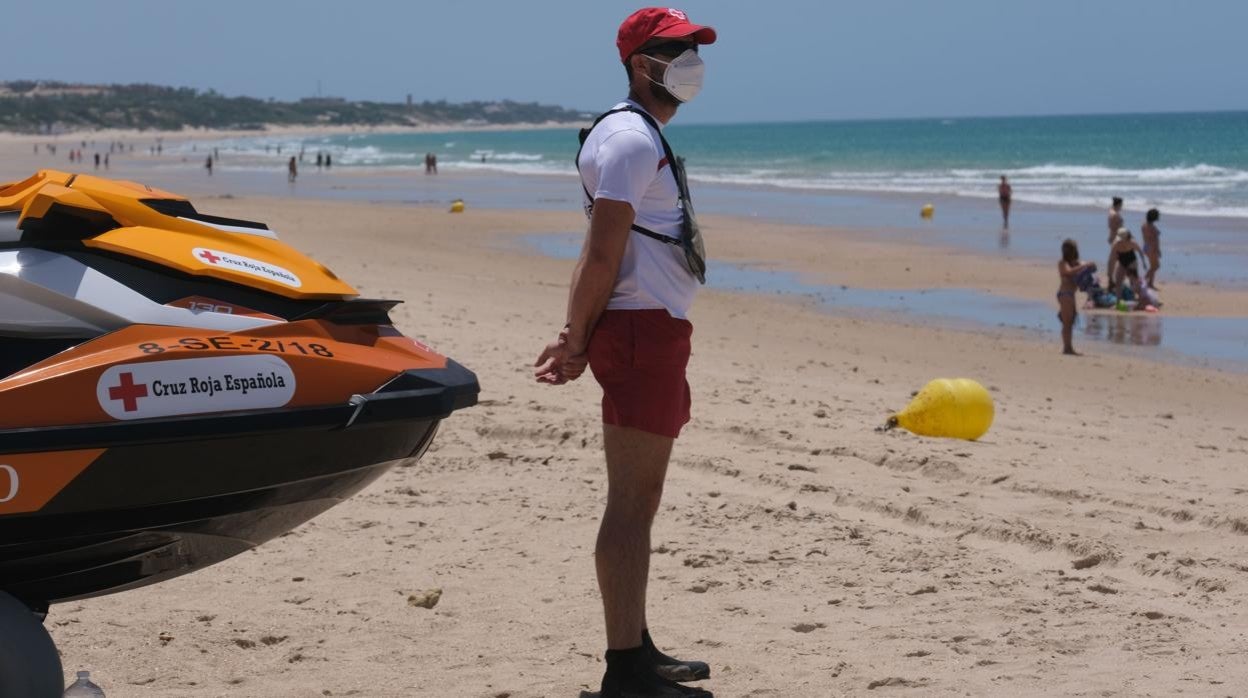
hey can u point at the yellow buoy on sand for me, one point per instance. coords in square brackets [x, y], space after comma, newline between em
[957, 408]
[927, 211]
[457, 206]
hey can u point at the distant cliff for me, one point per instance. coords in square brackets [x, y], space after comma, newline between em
[42, 107]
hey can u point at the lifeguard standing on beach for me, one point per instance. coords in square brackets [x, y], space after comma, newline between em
[631, 290]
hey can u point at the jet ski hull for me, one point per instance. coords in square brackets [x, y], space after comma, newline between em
[134, 503]
[102, 533]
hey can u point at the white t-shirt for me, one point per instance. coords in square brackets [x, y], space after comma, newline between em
[623, 160]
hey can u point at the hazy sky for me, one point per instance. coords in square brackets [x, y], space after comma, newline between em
[779, 60]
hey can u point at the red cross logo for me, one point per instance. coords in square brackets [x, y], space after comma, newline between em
[128, 392]
[212, 258]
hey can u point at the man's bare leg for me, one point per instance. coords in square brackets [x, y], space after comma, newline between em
[636, 466]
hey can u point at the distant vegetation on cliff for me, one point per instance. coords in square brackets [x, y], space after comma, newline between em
[43, 107]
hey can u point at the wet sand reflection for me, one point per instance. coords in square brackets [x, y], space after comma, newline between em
[1140, 329]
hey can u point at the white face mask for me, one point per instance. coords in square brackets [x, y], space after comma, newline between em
[683, 76]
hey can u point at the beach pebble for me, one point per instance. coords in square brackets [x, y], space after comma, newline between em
[425, 599]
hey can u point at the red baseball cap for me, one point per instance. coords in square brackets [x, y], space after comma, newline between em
[658, 22]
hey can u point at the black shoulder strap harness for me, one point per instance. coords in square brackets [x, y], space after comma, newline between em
[667, 150]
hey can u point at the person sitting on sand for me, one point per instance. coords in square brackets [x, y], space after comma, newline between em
[1068, 269]
[1152, 245]
[1124, 260]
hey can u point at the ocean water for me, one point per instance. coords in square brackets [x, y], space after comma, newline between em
[1184, 164]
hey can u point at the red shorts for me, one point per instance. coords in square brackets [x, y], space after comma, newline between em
[639, 359]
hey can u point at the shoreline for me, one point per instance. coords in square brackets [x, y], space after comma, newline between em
[190, 133]
[929, 260]
[1209, 249]
[918, 277]
[915, 198]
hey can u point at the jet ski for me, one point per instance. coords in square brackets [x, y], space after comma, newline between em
[177, 388]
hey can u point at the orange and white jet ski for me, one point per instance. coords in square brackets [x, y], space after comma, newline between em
[176, 388]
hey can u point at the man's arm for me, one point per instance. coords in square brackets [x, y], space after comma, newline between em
[592, 282]
[595, 273]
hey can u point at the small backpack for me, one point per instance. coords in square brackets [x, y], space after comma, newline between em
[690, 241]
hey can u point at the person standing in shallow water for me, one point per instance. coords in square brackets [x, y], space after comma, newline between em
[1068, 270]
[292, 170]
[626, 318]
[1152, 245]
[1004, 195]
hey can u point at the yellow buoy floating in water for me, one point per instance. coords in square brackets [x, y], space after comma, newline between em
[457, 206]
[927, 211]
[956, 408]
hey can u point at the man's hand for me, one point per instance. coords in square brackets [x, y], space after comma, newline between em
[557, 364]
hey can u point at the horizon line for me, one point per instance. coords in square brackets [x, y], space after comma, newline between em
[967, 117]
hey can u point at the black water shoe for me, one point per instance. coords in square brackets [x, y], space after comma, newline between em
[631, 674]
[671, 668]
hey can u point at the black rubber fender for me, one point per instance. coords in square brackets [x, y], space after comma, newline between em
[29, 664]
